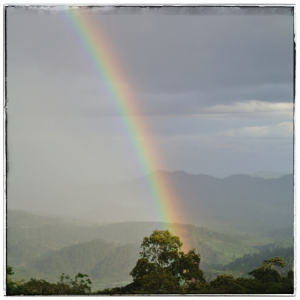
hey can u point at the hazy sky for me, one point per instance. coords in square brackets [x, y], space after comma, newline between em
[215, 86]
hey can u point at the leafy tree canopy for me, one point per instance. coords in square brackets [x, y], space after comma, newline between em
[163, 268]
[79, 285]
[266, 272]
[275, 261]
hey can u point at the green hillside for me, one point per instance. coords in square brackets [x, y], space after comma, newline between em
[248, 262]
[45, 247]
[104, 261]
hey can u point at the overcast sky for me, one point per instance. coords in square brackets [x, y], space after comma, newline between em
[215, 86]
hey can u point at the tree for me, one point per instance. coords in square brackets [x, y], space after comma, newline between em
[268, 279]
[9, 283]
[9, 271]
[226, 284]
[160, 281]
[13, 287]
[266, 272]
[80, 285]
[163, 268]
[275, 261]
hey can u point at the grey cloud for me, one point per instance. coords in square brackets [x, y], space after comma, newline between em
[216, 155]
[208, 60]
[281, 130]
[188, 72]
[207, 54]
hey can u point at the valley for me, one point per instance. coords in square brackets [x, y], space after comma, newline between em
[45, 247]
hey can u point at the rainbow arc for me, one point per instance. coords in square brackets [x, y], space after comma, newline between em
[125, 100]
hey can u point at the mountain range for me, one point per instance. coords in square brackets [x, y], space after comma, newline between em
[268, 174]
[239, 201]
[232, 204]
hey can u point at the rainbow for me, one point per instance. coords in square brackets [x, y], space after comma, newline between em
[110, 71]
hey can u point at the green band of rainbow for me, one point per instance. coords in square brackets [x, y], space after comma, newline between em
[110, 71]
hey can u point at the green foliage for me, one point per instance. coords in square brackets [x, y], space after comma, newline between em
[187, 268]
[11, 286]
[32, 237]
[9, 270]
[160, 281]
[161, 272]
[44, 247]
[163, 268]
[227, 284]
[266, 272]
[162, 248]
[80, 285]
[243, 265]
[275, 261]
[266, 280]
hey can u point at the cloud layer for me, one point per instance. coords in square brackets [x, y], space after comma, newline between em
[215, 87]
[281, 130]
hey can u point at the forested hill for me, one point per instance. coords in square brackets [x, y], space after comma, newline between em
[248, 262]
[28, 242]
[109, 264]
[44, 247]
[98, 258]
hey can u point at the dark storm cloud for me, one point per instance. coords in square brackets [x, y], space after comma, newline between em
[180, 53]
[206, 54]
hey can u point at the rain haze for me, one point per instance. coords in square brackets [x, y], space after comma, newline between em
[214, 84]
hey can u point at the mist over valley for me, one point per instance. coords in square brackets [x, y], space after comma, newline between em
[235, 203]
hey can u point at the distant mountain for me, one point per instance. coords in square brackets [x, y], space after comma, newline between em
[268, 174]
[238, 203]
